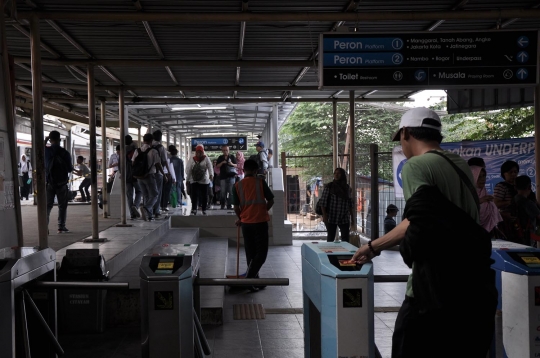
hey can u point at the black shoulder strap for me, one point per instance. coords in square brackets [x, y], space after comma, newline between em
[463, 177]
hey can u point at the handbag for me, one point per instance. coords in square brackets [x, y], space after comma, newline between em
[174, 198]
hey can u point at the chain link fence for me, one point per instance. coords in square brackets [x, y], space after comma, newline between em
[306, 176]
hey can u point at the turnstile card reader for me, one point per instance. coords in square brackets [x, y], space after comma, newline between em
[167, 273]
[518, 283]
[338, 302]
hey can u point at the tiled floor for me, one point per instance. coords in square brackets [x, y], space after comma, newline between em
[278, 335]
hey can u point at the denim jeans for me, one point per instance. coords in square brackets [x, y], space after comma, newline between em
[179, 191]
[226, 191]
[83, 188]
[166, 194]
[130, 188]
[150, 194]
[61, 194]
[159, 186]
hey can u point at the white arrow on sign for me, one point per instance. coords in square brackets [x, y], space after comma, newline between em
[523, 42]
[522, 73]
[523, 56]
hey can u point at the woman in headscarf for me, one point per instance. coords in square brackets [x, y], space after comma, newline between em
[199, 173]
[25, 172]
[337, 206]
[489, 213]
[240, 165]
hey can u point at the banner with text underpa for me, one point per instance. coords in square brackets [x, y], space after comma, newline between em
[494, 153]
[428, 60]
[214, 144]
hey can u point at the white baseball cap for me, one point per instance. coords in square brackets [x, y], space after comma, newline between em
[416, 118]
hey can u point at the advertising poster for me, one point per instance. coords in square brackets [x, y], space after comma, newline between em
[494, 153]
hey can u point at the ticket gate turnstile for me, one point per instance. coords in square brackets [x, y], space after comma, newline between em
[18, 268]
[517, 270]
[167, 319]
[338, 302]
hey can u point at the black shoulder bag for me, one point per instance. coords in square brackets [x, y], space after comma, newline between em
[463, 177]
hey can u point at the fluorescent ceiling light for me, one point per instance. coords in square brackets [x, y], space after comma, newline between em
[194, 108]
[215, 134]
[211, 125]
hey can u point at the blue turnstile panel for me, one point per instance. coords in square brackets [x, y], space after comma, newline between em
[518, 282]
[337, 296]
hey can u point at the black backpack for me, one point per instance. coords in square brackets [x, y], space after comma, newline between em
[57, 171]
[129, 169]
[140, 167]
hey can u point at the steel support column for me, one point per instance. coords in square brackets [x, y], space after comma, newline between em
[537, 137]
[38, 142]
[352, 157]
[374, 160]
[93, 150]
[8, 74]
[122, 167]
[274, 135]
[335, 147]
[104, 194]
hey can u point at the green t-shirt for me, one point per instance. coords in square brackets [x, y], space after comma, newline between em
[432, 169]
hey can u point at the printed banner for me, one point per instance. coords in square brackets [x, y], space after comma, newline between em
[494, 153]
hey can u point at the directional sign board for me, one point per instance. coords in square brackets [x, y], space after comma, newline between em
[214, 144]
[428, 60]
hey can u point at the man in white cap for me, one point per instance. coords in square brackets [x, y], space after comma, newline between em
[447, 288]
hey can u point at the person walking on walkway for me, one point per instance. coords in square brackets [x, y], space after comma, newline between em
[57, 168]
[133, 189]
[227, 172]
[252, 199]
[25, 172]
[160, 179]
[240, 160]
[114, 161]
[83, 172]
[337, 206]
[199, 174]
[148, 183]
[178, 167]
[441, 205]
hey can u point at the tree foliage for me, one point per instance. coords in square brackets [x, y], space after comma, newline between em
[499, 124]
[308, 131]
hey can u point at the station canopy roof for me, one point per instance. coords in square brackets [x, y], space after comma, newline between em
[190, 66]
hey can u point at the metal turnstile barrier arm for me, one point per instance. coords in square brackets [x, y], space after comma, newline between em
[241, 282]
[43, 323]
[202, 343]
[83, 285]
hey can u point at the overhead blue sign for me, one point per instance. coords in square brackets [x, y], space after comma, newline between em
[364, 59]
[215, 143]
[428, 59]
[348, 44]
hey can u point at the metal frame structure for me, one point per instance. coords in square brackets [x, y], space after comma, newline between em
[252, 58]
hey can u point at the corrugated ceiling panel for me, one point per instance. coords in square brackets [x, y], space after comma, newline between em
[198, 41]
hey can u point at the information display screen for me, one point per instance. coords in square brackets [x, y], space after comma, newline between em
[529, 259]
[165, 265]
